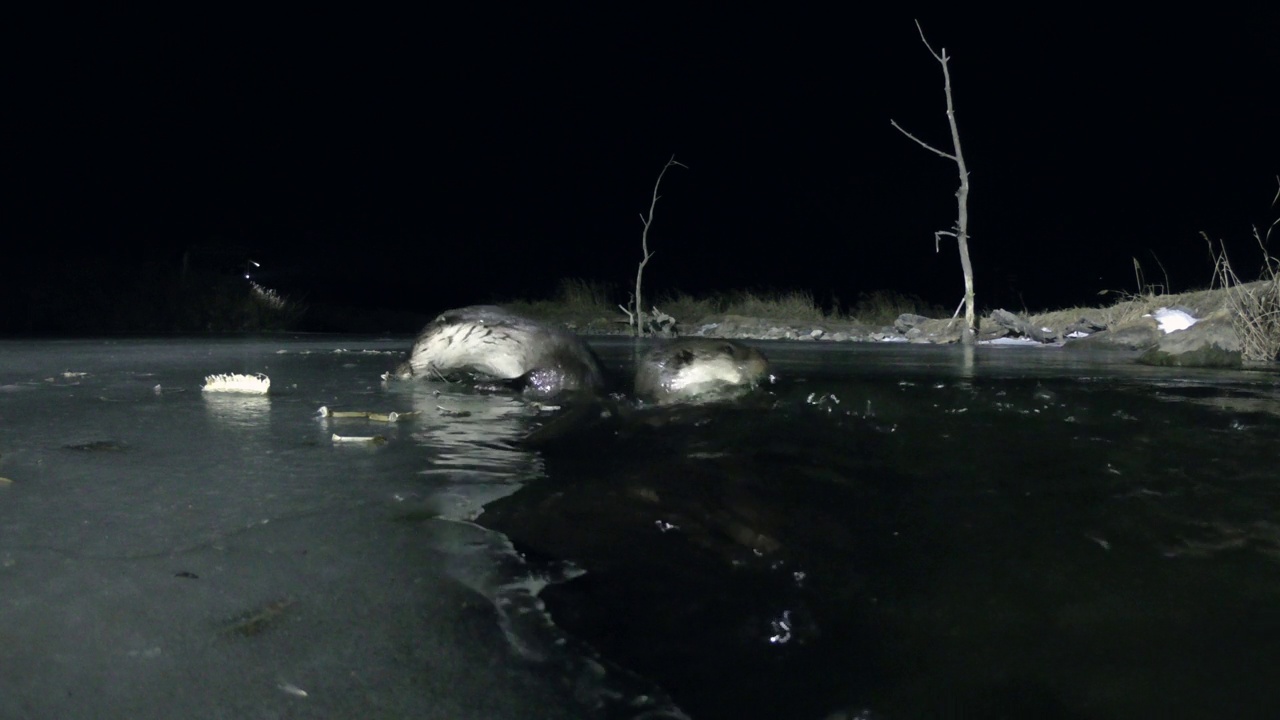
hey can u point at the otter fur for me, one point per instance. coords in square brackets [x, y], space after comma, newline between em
[698, 369]
[487, 342]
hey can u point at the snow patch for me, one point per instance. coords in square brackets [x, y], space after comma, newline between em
[1171, 320]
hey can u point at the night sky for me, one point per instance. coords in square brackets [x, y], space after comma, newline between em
[418, 162]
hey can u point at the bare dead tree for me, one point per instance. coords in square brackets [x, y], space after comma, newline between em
[635, 312]
[961, 231]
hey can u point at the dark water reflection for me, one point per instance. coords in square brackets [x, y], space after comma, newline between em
[909, 532]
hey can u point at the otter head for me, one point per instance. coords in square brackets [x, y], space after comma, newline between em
[698, 370]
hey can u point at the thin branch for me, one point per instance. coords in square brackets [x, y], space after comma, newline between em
[922, 143]
[940, 58]
[937, 239]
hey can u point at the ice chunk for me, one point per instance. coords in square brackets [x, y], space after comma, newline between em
[256, 384]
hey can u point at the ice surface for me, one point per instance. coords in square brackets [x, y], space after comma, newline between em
[170, 553]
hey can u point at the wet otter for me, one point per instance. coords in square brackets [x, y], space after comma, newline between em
[488, 342]
[697, 369]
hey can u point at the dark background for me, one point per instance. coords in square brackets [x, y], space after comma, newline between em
[423, 161]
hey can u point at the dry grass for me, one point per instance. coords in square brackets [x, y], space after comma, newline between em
[1130, 308]
[792, 306]
[574, 299]
[579, 302]
[1255, 307]
[882, 307]
[686, 308]
[1133, 307]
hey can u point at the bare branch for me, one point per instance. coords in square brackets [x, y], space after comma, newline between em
[922, 143]
[940, 58]
[937, 239]
[644, 246]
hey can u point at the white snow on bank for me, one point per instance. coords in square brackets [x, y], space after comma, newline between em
[1171, 320]
[1011, 341]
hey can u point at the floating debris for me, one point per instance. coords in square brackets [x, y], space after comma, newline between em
[292, 689]
[371, 439]
[826, 401]
[780, 629]
[256, 384]
[71, 378]
[390, 417]
[186, 574]
[1102, 543]
[255, 621]
[4, 481]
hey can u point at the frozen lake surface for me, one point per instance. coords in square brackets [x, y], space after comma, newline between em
[169, 553]
[886, 532]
